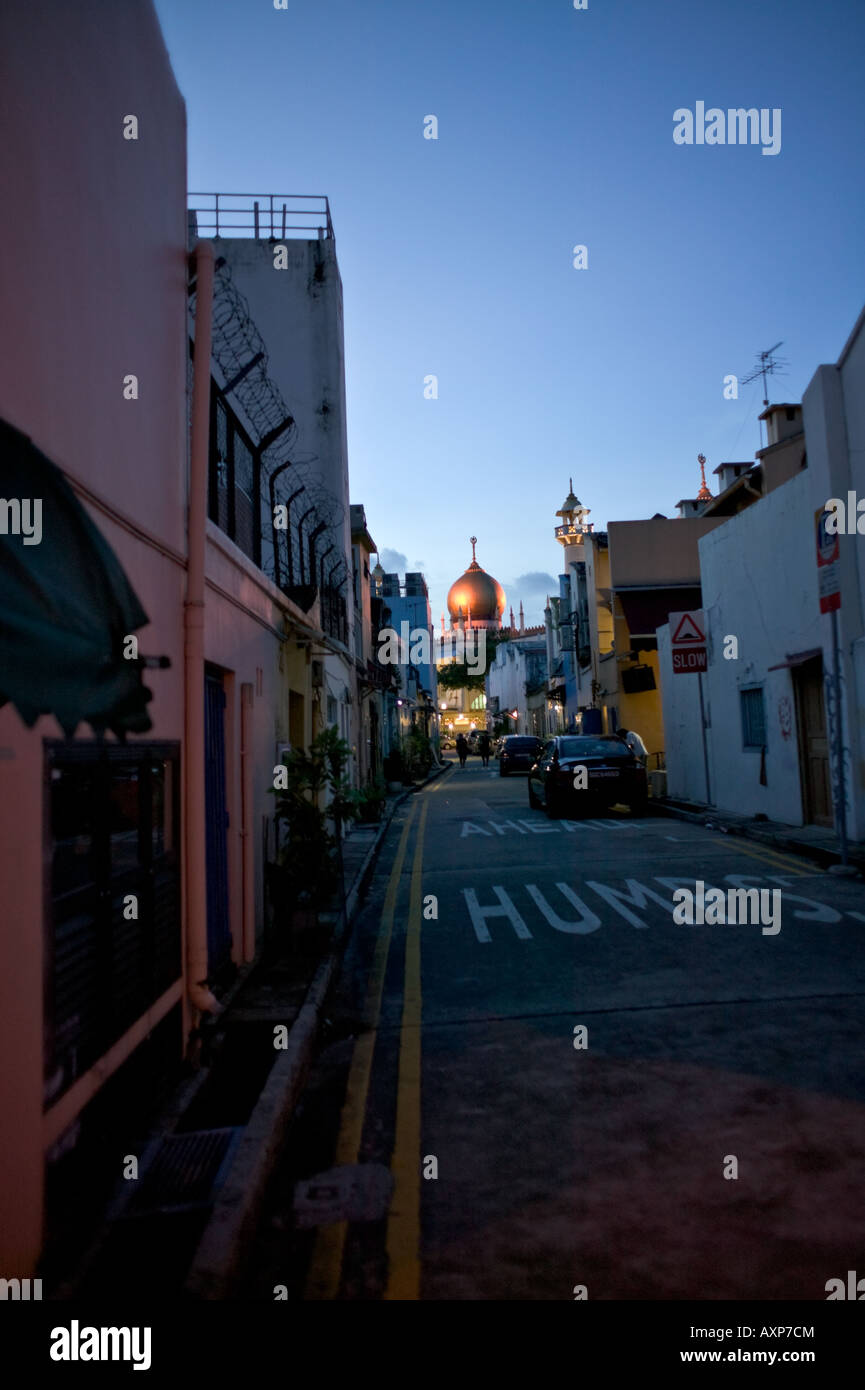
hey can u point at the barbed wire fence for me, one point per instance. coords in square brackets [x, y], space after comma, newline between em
[287, 479]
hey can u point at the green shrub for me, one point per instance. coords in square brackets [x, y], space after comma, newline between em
[307, 867]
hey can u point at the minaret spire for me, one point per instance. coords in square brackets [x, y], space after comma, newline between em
[704, 495]
[474, 541]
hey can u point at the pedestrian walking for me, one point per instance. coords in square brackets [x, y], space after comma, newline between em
[462, 749]
[484, 748]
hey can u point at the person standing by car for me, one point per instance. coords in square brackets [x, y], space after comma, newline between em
[462, 749]
[635, 743]
[484, 747]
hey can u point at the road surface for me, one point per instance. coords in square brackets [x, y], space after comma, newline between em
[556, 1091]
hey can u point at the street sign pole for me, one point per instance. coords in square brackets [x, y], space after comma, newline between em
[829, 588]
[839, 740]
[705, 747]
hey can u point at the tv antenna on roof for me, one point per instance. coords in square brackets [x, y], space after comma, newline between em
[770, 365]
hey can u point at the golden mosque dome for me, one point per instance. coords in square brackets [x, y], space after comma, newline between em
[476, 596]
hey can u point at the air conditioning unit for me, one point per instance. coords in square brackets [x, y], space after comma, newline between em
[317, 675]
[658, 783]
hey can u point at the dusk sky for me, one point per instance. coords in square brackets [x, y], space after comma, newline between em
[555, 128]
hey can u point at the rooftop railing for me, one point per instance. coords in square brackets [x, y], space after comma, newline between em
[263, 216]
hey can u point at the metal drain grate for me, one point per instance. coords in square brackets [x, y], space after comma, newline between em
[182, 1172]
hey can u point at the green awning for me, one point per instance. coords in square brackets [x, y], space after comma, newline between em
[65, 603]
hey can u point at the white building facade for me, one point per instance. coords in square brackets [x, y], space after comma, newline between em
[770, 703]
[516, 686]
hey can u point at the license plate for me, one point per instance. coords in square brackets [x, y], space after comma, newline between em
[603, 773]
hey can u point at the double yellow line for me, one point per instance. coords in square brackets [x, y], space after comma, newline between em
[403, 1234]
[775, 859]
[403, 1228]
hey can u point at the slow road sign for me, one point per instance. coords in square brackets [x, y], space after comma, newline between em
[688, 642]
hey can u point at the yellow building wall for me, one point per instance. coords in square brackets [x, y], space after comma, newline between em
[643, 712]
[604, 616]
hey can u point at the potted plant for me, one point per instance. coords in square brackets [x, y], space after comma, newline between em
[418, 755]
[369, 802]
[307, 870]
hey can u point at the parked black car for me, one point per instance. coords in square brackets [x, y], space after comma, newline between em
[517, 753]
[613, 774]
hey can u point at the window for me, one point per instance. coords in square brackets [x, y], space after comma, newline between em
[245, 507]
[753, 717]
[234, 491]
[586, 747]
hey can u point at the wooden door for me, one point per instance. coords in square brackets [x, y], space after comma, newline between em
[813, 744]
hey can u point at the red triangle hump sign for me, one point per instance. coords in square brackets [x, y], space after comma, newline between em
[688, 631]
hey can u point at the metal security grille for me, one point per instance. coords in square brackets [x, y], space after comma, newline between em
[113, 914]
[182, 1172]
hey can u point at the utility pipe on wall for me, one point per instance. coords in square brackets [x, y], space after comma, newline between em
[193, 625]
[246, 821]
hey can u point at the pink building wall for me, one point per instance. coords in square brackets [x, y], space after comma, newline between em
[92, 286]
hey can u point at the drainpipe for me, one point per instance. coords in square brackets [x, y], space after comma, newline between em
[246, 822]
[193, 625]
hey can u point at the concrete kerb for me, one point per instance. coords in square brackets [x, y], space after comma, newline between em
[219, 1258]
[825, 857]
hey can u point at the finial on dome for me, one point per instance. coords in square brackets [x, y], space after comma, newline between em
[704, 495]
[572, 506]
[476, 595]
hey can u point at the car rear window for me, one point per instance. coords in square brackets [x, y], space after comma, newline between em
[515, 743]
[593, 748]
